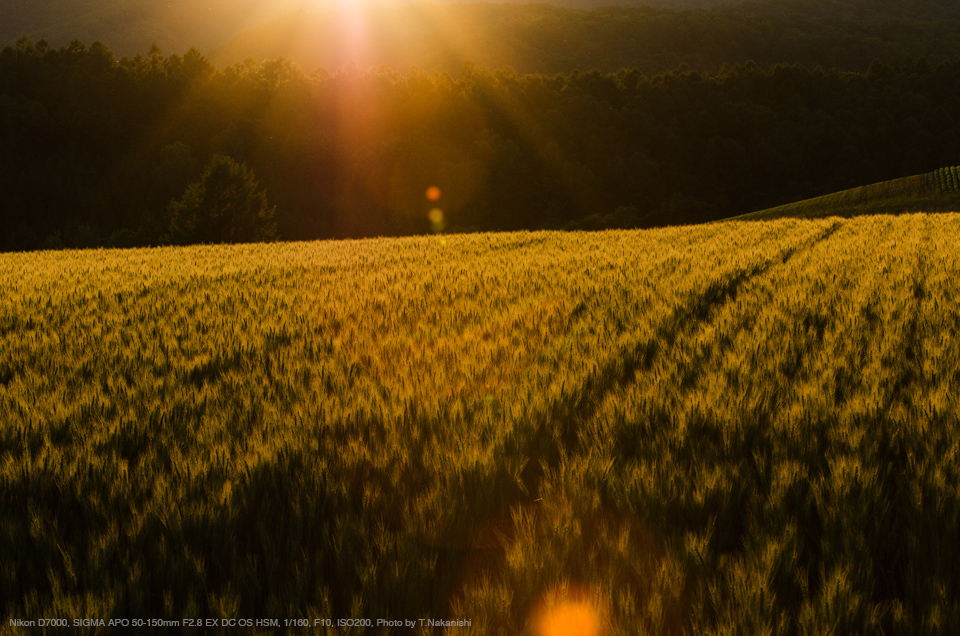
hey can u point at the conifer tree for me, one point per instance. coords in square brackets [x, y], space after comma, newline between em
[226, 205]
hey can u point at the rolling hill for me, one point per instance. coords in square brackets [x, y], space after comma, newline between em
[907, 10]
[929, 192]
[131, 26]
[543, 38]
[741, 428]
[527, 37]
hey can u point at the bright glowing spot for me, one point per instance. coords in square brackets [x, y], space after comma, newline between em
[437, 220]
[570, 618]
[433, 194]
[568, 610]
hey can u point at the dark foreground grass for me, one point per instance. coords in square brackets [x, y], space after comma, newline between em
[745, 428]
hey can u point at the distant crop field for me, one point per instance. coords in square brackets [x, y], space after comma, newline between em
[947, 179]
[740, 427]
[929, 192]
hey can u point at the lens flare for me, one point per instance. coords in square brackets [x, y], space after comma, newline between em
[437, 219]
[433, 193]
[568, 612]
[572, 618]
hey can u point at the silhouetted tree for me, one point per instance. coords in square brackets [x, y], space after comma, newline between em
[88, 140]
[226, 205]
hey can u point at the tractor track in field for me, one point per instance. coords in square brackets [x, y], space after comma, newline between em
[558, 432]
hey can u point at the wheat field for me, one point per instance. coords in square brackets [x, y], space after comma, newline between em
[735, 428]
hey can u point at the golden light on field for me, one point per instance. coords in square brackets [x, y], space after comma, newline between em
[568, 611]
[296, 345]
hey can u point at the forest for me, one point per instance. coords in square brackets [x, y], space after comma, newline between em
[95, 151]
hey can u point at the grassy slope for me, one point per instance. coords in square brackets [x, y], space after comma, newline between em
[734, 428]
[131, 26]
[908, 194]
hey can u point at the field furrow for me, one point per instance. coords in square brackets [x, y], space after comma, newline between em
[737, 426]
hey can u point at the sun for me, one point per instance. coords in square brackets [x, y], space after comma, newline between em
[325, 5]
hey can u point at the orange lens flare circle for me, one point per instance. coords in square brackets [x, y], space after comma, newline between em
[572, 618]
[433, 193]
[570, 612]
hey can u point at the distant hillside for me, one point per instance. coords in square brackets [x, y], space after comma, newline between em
[131, 26]
[929, 192]
[912, 10]
[565, 34]
[548, 39]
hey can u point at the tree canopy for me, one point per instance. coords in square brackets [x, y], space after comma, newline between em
[93, 149]
[226, 205]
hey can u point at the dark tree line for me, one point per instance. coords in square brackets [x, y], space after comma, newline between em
[95, 151]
